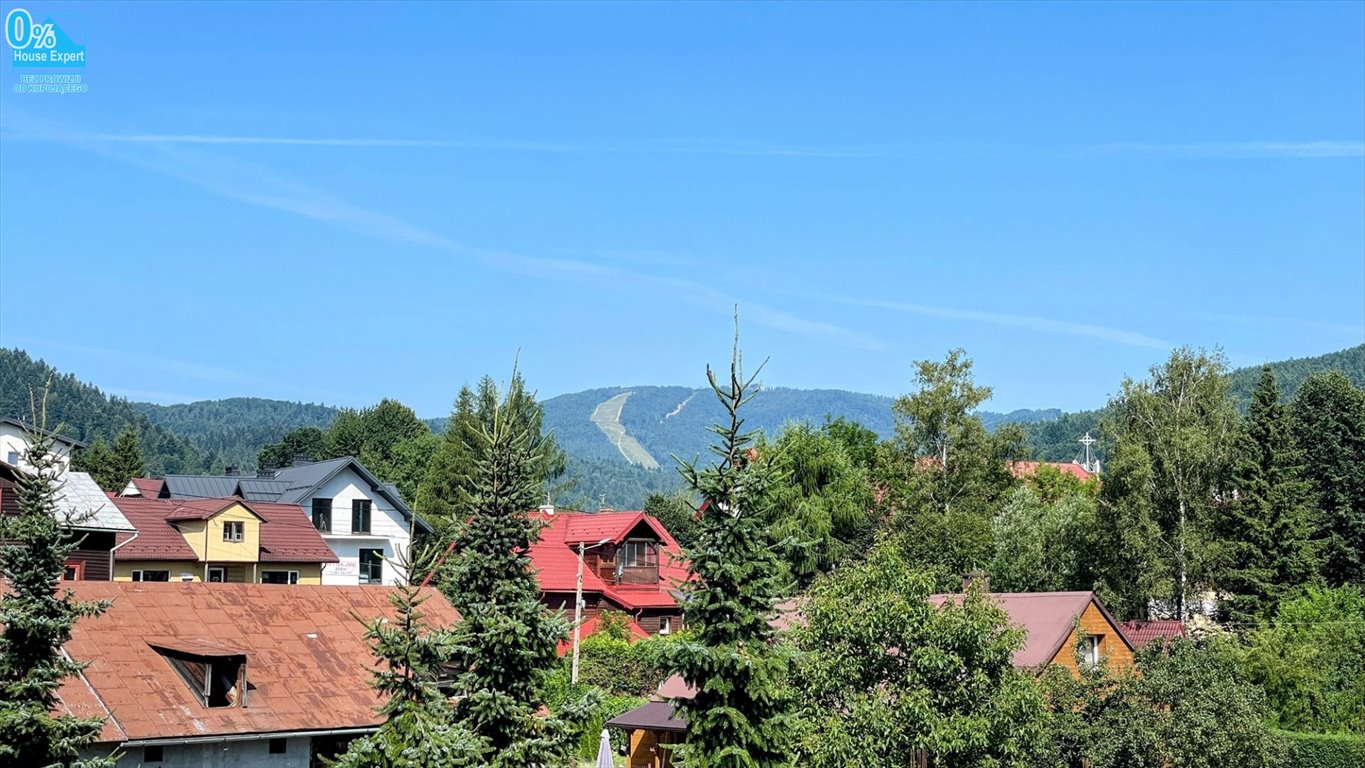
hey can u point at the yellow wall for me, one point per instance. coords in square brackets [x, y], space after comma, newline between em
[309, 573]
[206, 537]
[1111, 645]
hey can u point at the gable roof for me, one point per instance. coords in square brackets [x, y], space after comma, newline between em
[146, 487]
[308, 663]
[555, 557]
[287, 533]
[1025, 468]
[1140, 633]
[592, 625]
[80, 502]
[1047, 618]
[290, 485]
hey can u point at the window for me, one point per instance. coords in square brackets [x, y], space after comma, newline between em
[279, 746]
[665, 625]
[360, 516]
[153, 754]
[217, 574]
[73, 572]
[12, 458]
[234, 530]
[279, 577]
[322, 515]
[1090, 650]
[371, 566]
[217, 681]
[151, 575]
[639, 552]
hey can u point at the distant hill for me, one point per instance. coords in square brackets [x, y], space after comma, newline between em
[657, 421]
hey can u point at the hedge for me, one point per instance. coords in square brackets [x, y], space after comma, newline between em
[1323, 750]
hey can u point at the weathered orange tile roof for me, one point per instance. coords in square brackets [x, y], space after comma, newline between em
[308, 664]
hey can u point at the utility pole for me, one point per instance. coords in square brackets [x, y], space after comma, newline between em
[578, 607]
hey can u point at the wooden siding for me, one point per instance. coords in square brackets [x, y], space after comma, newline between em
[93, 556]
[645, 752]
[653, 622]
[1112, 646]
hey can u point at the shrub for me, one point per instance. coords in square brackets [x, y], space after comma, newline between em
[1323, 750]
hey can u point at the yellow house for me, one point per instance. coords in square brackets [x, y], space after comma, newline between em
[219, 540]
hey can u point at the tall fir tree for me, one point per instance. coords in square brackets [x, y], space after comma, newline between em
[419, 729]
[36, 617]
[127, 462]
[741, 713]
[1263, 550]
[98, 460]
[506, 641]
[1328, 422]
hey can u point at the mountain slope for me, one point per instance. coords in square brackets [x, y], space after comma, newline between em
[233, 430]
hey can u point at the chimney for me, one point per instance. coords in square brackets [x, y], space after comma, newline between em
[266, 470]
[301, 460]
[232, 472]
[976, 578]
[547, 509]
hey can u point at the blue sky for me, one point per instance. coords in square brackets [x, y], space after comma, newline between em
[343, 203]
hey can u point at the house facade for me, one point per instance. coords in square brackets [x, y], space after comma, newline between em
[631, 563]
[363, 520]
[227, 540]
[228, 675]
[16, 437]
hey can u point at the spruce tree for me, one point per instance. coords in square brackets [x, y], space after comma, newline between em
[419, 729]
[740, 715]
[506, 640]
[127, 460]
[1328, 421]
[98, 460]
[36, 617]
[1263, 551]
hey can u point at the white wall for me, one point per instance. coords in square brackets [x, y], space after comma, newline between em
[388, 530]
[15, 440]
[225, 754]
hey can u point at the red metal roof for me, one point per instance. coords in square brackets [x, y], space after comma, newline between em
[149, 487]
[1047, 618]
[556, 560]
[1140, 633]
[592, 625]
[287, 533]
[308, 663]
[1025, 468]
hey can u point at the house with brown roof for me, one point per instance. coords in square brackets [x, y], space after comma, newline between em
[631, 563]
[219, 540]
[228, 674]
[89, 516]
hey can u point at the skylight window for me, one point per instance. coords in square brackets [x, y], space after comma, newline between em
[216, 677]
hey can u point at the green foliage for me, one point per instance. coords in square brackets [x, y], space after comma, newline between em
[882, 673]
[1322, 750]
[740, 714]
[590, 483]
[621, 667]
[1262, 549]
[1291, 374]
[859, 442]
[945, 475]
[1188, 708]
[1175, 435]
[453, 466]
[823, 505]
[1310, 660]
[1045, 541]
[419, 730]
[84, 412]
[37, 616]
[505, 643]
[1328, 423]
[304, 441]
[677, 512]
[232, 431]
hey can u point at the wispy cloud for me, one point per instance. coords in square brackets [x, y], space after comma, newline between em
[1236, 149]
[1357, 331]
[258, 185]
[1006, 320]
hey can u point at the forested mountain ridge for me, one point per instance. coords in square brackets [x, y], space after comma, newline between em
[232, 431]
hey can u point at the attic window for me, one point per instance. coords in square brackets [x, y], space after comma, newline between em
[216, 677]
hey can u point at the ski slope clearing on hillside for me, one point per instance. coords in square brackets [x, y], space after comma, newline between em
[607, 417]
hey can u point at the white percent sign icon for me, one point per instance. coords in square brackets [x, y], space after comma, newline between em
[21, 32]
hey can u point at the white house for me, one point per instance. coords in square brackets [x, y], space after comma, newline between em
[363, 520]
[15, 438]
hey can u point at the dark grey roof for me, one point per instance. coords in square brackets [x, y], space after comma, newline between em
[290, 485]
[27, 428]
[200, 486]
[654, 716]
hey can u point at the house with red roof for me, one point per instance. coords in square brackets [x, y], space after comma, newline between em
[1073, 468]
[219, 540]
[631, 563]
[228, 674]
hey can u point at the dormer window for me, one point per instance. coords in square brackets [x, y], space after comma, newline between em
[215, 675]
[234, 530]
